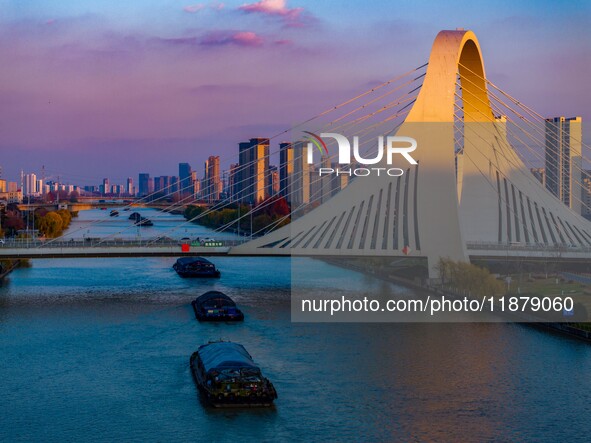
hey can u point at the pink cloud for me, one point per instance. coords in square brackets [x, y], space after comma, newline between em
[192, 9]
[275, 8]
[240, 38]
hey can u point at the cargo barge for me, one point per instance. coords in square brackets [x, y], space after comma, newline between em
[195, 267]
[216, 306]
[227, 376]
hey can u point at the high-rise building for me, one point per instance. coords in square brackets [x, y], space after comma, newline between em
[174, 186]
[162, 185]
[185, 182]
[564, 160]
[158, 184]
[254, 178]
[30, 185]
[105, 187]
[196, 185]
[232, 190]
[274, 186]
[338, 182]
[213, 183]
[2, 185]
[144, 184]
[299, 183]
[129, 186]
[326, 180]
[285, 168]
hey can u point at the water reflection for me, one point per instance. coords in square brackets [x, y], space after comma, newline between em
[98, 350]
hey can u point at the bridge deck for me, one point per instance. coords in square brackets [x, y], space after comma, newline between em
[24, 249]
[96, 247]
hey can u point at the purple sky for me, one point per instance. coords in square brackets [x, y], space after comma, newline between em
[96, 89]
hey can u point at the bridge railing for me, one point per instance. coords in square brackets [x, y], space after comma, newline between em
[514, 246]
[113, 242]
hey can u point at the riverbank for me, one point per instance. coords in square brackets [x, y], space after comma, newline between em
[7, 266]
[572, 330]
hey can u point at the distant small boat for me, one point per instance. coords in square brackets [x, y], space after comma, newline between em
[216, 306]
[114, 213]
[126, 209]
[195, 267]
[227, 376]
[135, 216]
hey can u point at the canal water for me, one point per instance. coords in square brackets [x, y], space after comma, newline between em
[98, 350]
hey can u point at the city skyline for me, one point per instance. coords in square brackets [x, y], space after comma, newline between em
[295, 180]
[95, 87]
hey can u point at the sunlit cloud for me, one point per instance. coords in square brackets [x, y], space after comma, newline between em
[276, 8]
[224, 38]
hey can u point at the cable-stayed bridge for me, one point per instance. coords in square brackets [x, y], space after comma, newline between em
[470, 194]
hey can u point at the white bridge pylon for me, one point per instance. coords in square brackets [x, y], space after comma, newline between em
[424, 211]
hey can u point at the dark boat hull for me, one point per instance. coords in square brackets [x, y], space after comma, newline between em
[196, 274]
[228, 402]
[216, 317]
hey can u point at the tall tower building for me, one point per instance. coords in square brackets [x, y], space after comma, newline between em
[143, 183]
[253, 174]
[185, 185]
[299, 182]
[105, 187]
[158, 186]
[30, 185]
[129, 186]
[338, 182]
[213, 183]
[326, 181]
[174, 187]
[285, 168]
[196, 185]
[564, 160]
[232, 190]
[274, 181]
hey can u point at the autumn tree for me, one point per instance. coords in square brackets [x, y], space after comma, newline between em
[51, 224]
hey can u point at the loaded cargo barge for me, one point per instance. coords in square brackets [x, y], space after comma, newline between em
[228, 377]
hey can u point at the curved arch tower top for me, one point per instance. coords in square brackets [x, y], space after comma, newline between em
[453, 52]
